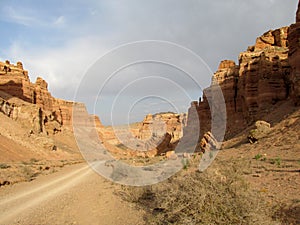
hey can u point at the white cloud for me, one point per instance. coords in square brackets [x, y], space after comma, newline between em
[59, 21]
[59, 45]
[61, 67]
[12, 15]
[30, 17]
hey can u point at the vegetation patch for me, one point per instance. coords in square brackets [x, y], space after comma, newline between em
[122, 146]
[4, 166]
[217, 196]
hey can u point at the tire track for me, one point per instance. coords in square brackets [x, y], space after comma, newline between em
[20, 203]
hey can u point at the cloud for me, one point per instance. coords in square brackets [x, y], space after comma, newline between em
[10, 14]
[62, 67]
[59, 21]
[55, 43]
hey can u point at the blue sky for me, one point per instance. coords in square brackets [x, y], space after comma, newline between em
[62, 40]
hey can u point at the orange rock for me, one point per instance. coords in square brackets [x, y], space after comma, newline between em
[208, 142]
[161, 123]
[294, 57]
[171, 155]
[226, 64]
[14, 81]
[260, 80]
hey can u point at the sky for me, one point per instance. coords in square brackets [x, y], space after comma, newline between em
[128, 58]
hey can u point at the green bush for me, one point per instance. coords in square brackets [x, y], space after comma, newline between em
[258, 156]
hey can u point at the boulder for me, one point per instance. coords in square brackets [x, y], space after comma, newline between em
[262, 129]
[208, 143]
[171, 155]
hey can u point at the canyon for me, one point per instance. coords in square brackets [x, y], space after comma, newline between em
[266, 75]
[45, 179]
[36, 133]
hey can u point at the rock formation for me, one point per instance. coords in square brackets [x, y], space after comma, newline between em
[294, 57]
[253, 86]
[262, 129]
[267, 73]
[165, 145]
[208, 142]
[155, 135]
[30, 115]
[47, 114]
[162, 123]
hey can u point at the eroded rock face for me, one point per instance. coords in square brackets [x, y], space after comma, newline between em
[160, 124]
[165, 145]
[294, 57]
[188, 143]
[298, 13]
[263, 77]
[41, 95]
[55, 113]
[271, 38]
[208, 142]
[251, 87]
[32, 116]
[155, 135]
[14, 81]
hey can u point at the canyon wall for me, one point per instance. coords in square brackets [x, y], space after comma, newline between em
[251, 88]
[294, 57]
[52, 113]
[267, 73]
[160, 124]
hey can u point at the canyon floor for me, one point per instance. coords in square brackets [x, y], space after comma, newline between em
[247, 183]
[74, 195]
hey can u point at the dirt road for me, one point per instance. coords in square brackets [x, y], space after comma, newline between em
[75, 195]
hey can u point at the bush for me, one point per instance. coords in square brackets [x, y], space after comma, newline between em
[258, 156]
[4, 166]
[33, 160]
[276, 161]
[201, 198]
[28, 173]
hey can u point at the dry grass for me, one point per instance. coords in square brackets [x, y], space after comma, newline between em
[28, 173]
[220, 195]
[4, 166]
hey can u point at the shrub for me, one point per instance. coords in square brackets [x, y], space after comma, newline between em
[28, 173]
[4, 166]
[276, 161]
[33, 160]
[185, 163]
[201, 198]
[258, 156]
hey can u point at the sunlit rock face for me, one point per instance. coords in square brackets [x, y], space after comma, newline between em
[259, 80]
[162, 123]
[51, 113]
[294, 57]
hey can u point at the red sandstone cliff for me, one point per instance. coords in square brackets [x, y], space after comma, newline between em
[260, 80]
[267, 73]
[160, 124]
[49, 113]
[294, 57]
